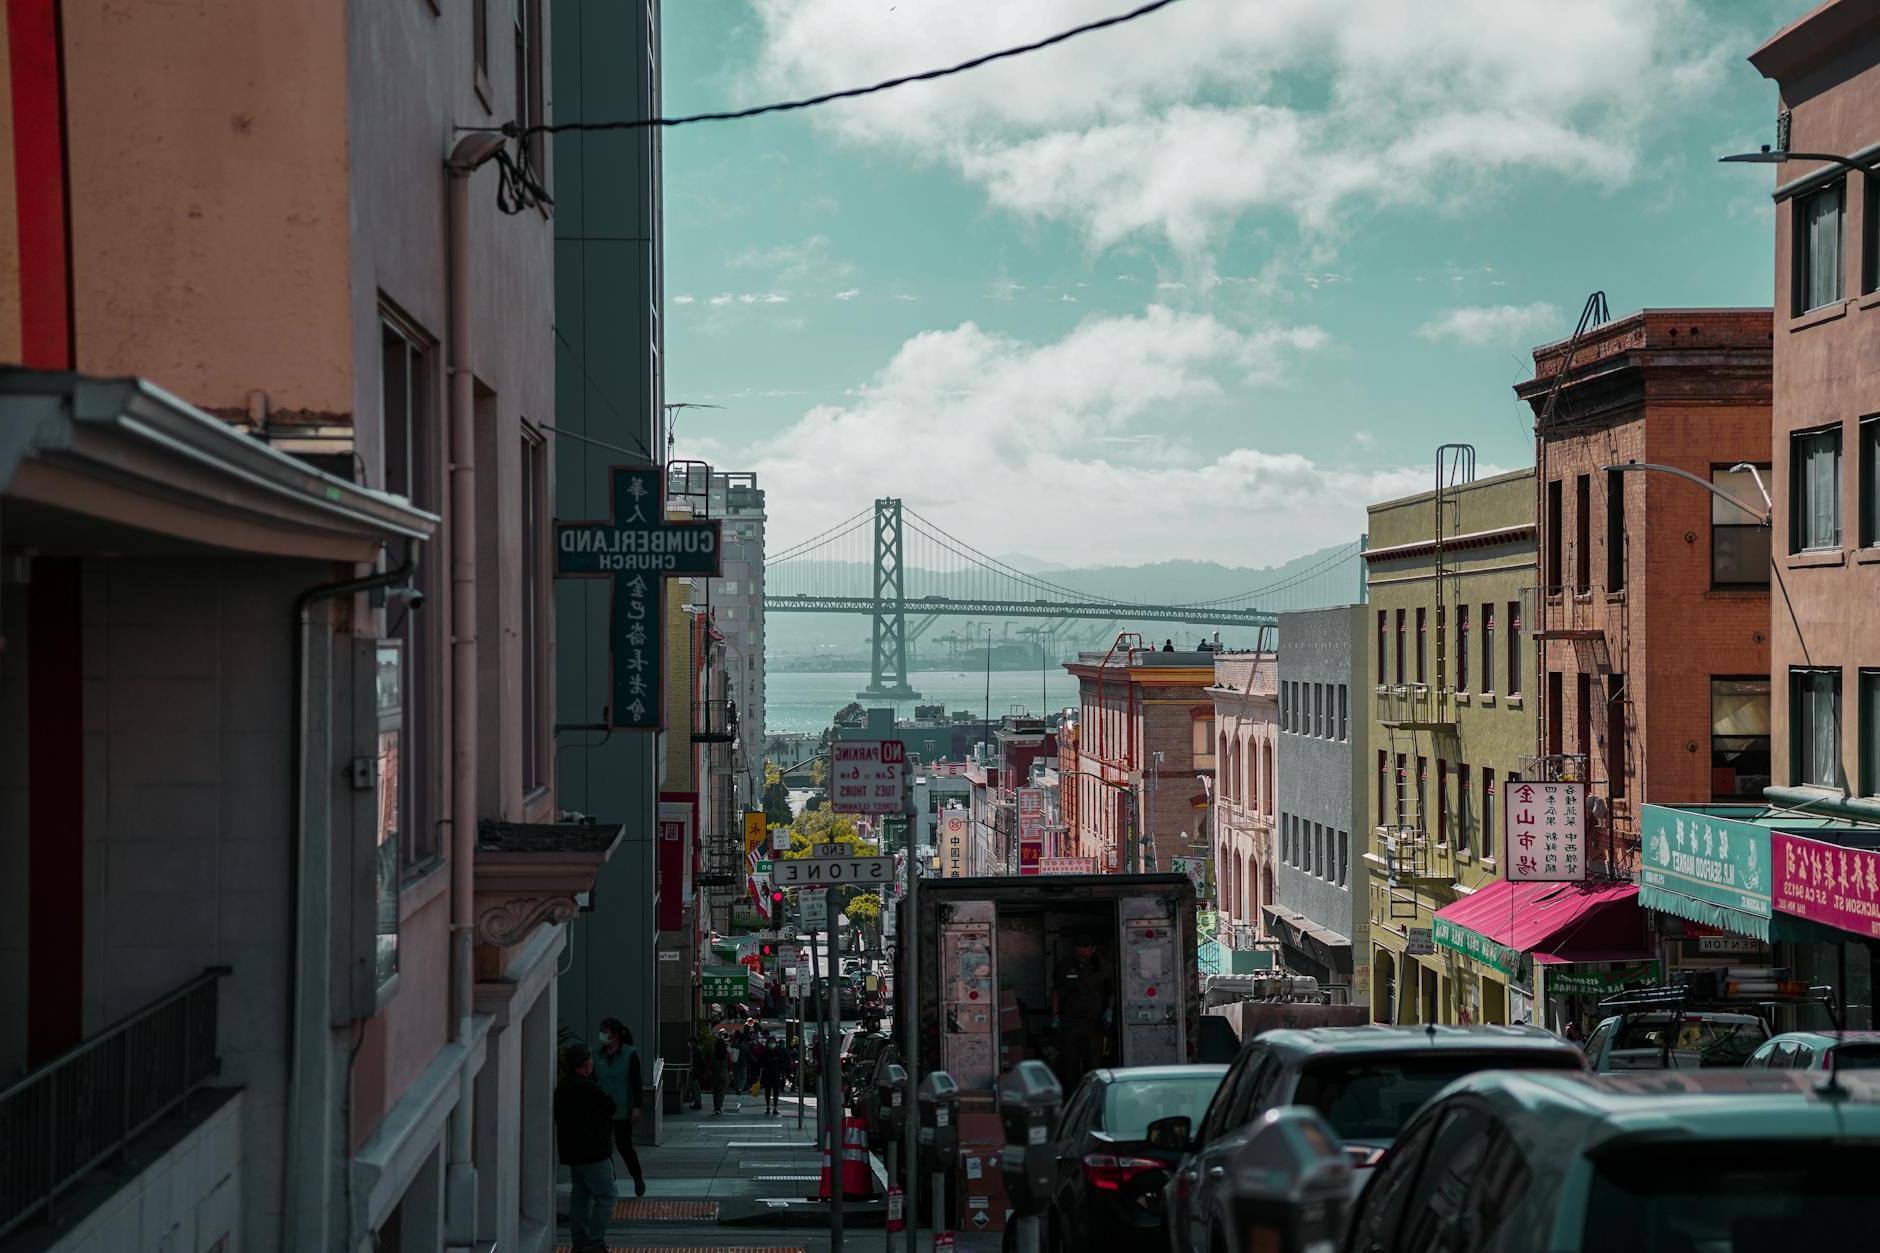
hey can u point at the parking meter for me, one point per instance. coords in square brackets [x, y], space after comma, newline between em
[891, 1096]
[939, 1121]
[1029, 1102]
[1291, 1182]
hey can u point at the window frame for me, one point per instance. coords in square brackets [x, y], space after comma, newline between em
[480, 51]
[1615, 735]
[1768, 740]
[1465, 803]
[1462, 647]
[1799, 496]
[1513, 633]
[1583, 534]
[1867, 489]
[1867, 700]
[1801, 678]
[1488, 812]
[1752, 523]
[532, 575]
[1488, 646]
[1615, 531]
[1802, 260]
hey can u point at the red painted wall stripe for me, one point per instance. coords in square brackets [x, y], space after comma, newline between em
[39, 178]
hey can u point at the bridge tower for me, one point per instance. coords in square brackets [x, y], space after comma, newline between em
[887, 678]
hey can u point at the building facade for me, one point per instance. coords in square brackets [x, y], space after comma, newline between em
[1144, 731]
[1244, 798]
[1440, 752]
[1323, 925]
[1652, 608]
[294, 661]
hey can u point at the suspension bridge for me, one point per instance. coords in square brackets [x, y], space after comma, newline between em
[891, 564]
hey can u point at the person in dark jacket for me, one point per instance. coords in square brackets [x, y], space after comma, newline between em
[584, 1116]
[776, 1066]
[617, 1070]
[720, 1072]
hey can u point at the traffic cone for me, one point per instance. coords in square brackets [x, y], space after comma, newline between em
[858, 1182]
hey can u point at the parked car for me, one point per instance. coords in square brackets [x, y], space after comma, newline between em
[1366, 1081]
[1674, 1040]
[1737, 1161]
[1108, 1192]
[1819, 1050]
[864, 1082]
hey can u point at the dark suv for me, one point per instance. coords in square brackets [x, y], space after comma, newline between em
[1366, 1081]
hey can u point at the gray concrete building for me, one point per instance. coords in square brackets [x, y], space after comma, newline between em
[1317, 918]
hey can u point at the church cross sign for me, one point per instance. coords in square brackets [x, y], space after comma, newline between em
[638, 548]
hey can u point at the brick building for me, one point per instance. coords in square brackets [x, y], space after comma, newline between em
[1145, 730]
[1652, 601]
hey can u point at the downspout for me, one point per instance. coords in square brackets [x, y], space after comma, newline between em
[460, 1180]
[311, 906]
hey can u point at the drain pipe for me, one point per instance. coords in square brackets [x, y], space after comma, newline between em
[460, 1180]
[303, 1162]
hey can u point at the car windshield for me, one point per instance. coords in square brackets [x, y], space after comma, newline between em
[1733, 1197]
[1715, 1043]
[1367, 1098]
[1130, 1106]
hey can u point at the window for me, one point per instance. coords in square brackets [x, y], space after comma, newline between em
[408, 461]
[1285, 707]
[1514, 648]
[1318, 710]
[1462, 648]
[1556, 698]
[1815, 726]
[1488, 812]
[393, 806]
[1344, 713]
[1383, 783]
[1451, 1176]
[1554, 521]
[1615, 733]
[1383, 631]
[1870, 470]
[1464, 817]
[1442, 801]
[529, 94]
[1344, 858]
[1488, 648]
[534, 590]
[1739, 737]
[1402, 616]
[1815, 489]
[1816, 223]
[1422, 635]
[1870, 732]
[480, 44]
[1739, 542]
[1583, 533]
[1615, 530]
[1870, 227]
[1583, 719]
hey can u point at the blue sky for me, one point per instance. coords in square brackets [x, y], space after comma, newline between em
[1200, 287]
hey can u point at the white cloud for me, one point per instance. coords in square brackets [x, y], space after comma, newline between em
[901, 295]
[809, 260]
[1087, 415]
[1206, 111]
[682, 300]
[723, 298]
[848, 293]
[1476, 325]
[763, 298]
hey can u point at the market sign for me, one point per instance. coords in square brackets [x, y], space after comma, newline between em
[724, 985]
[870, 776]
[637, 549]
[1031, 805]
[1031, 851]
[953, 844]
[1475, 946]
[1826, 883]
[1546, 826]
[1705, 867]
[1067, 865]
[1598, 978]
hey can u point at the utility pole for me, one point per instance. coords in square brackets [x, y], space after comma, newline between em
[908, 942]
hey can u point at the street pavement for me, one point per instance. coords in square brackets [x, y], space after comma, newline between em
[742, 1181]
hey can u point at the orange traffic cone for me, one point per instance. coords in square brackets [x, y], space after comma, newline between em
[858, 1182]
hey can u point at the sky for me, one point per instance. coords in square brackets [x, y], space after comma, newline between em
[1199, 286]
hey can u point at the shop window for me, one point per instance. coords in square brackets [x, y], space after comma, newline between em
[1817, 269]
[1739, 737]
[1739, 542]
[1815, 726]
[1815, 489]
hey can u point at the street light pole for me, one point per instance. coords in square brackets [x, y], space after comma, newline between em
[1762, 515]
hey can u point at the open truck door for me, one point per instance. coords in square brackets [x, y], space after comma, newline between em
[969, 994]
[1154, 986]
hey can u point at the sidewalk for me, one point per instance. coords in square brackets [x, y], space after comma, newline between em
[742, 1180]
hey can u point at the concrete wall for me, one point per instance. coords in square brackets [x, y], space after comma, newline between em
[186, 1202]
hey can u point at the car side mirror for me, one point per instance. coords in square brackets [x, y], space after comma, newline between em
[1174, 1134]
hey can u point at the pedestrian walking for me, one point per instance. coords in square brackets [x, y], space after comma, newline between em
[617, 1070]
[720, 1073]
[776, 1069]
[584, 1116]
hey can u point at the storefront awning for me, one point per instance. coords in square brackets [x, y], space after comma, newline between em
[1562, 922]
[1715, 864]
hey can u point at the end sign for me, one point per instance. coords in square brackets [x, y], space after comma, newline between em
[870, 776]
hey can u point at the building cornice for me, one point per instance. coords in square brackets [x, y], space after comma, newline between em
[1473, 539]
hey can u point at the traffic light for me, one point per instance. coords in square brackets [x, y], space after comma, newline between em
[767, 950]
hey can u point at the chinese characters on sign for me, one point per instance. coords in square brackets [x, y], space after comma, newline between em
[1546, 825]
[1067, 865]
[1827, 883]
[953, 844]
[1030, 829]
[1196, 868]
[638, 549]
[870, 776]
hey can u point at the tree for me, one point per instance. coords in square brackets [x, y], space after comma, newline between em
[825, 826]
[818, 771]
[851, 715]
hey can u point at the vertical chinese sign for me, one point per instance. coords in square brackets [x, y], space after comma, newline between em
[1546, 826]
[638, 549]
[1030, 829]
[757, 860]
[953, 844]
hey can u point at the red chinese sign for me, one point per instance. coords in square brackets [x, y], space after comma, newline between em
[1546, 825]
[1825, 883]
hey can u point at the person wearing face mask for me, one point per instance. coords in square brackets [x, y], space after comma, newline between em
[617, 1070]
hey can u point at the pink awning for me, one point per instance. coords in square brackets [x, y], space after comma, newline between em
[1558, 922]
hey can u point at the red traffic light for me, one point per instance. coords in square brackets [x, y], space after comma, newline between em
[776, 895]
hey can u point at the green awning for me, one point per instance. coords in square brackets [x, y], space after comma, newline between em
[1713, 864]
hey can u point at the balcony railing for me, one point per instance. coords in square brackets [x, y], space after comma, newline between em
[714, 722]
[1416, 705]
[75, 1113]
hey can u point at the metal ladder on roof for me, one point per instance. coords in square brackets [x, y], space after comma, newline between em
[1406, 848]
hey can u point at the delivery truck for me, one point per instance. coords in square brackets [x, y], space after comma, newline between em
[1079, 971]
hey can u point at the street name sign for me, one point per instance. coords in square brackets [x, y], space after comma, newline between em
[870, 776]
[818, 872]
[637, 549]
[832, 850]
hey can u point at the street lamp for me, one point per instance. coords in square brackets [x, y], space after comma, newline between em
[1777, 156]
[1762, 515]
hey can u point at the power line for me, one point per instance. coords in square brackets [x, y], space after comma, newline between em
[515, 131]
[602, 393]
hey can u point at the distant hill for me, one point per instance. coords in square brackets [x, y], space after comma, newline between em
[1330, 576]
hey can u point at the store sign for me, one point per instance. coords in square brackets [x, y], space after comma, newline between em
[1716, 860]
[953, 844]
[870, 776]
[1475, 946]
[723, 985]
[1598, 978]
[1419, 942]
[1546, 826]
[1826, 883]
[1031, 851]
[1196, 868]
[1067, 865]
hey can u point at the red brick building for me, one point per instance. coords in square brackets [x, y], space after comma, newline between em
[1652, 614]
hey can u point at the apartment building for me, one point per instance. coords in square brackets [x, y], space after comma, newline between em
[1323, 925]
[1246, 760]
[277, 605]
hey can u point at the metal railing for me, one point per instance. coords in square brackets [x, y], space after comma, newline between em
[1416, 705]
[84, 1108]
[714, 722]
